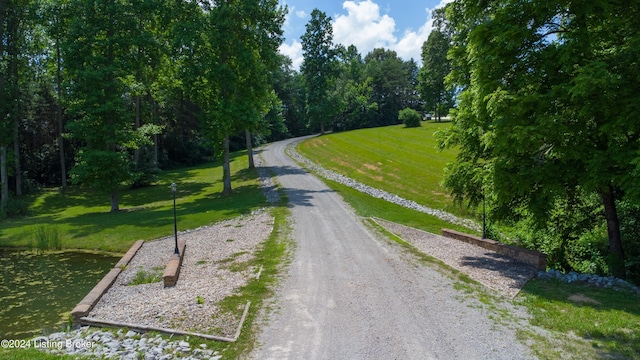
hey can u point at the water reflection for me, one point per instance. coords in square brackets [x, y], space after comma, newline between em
[37, 292]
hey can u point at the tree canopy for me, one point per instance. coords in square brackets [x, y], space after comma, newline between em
[318, 68]
[437, 97]
[548, 107]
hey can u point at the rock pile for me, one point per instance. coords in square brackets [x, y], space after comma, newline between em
[121, 345]
[600, 281]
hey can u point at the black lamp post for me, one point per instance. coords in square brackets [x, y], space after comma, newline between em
[174, 188]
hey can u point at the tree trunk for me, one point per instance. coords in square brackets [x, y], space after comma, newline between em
[321, 128]
[226, 167]
[4, 178]
[247, 135]
[156, 117]
[613, 230]
[136, 151]
[63, 166]
[4, 186]
[16, 157]
[114, 201]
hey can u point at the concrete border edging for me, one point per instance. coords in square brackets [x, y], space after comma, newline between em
[143, 328]
[532, 257]
[172, 271]
[91, 299]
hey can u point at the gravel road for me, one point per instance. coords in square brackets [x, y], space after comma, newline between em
[349, 294]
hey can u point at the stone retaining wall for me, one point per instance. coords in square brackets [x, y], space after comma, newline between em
[532, 257]
[86, 305]
[172, 271]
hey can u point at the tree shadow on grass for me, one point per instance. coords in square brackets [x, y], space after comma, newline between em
[56, 201]
[190, 213]
[616, 313]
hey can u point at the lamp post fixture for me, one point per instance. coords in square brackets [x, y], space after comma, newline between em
[174, 189]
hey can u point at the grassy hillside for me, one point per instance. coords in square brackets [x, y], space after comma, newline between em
[584, 322]
[403, 161]
[82, 219]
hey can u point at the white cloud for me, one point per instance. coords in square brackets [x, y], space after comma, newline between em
[294, 52]
[410, 45]
[364, 27]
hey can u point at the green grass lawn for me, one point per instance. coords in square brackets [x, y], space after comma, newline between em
[584, 321]
[83, 220]
[606, 322]
[402, 161]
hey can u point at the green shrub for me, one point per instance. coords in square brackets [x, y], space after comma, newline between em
[46, 237]
[15, 207]
[147, 277]
[409, 117]
[629, 215]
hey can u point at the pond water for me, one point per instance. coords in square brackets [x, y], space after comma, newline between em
[38, 291]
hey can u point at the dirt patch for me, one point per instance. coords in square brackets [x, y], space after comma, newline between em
[581, 298]
[371, 167]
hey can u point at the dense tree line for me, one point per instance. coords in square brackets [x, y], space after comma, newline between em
[105, 93]
[547, 123]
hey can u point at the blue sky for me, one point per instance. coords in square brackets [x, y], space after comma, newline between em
[401, 25]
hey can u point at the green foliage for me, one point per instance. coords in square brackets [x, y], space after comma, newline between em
[544, 108]
[46, 237]
[147, 277]
[98, 50]
[630, 228]
[409, 117]
[15, 207]
[318, 69]
[353, 92]
[393, 85]
[83, 223]
[431, 79]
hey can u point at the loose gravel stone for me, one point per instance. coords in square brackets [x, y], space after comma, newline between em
[495, 271]
[206, 277]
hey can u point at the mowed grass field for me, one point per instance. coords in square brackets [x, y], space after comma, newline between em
[82, 219]
[402, 161]
[584, 322]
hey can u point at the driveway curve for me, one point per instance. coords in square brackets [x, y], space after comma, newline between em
[350, 294]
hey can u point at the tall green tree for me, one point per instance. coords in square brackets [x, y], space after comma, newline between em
[393, 83]
[58, 22]
[235, 66]
[100, 58]
[16, 20]
[353, 92]
[549, 105]
[318, 69]
[437, 98]
[289, 88]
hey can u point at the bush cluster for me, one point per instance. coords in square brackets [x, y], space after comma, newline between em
[409, 117]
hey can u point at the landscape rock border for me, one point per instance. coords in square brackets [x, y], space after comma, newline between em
[87, 304]
[377, 193]
[531, 257]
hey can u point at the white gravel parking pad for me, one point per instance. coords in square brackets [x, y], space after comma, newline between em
[205, 279]
[495, 271]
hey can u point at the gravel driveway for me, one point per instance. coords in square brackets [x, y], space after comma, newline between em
[350, 294]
